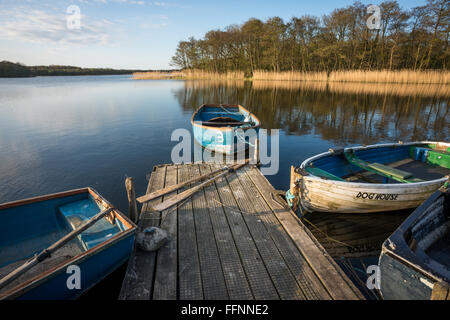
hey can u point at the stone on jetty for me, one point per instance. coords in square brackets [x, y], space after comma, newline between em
[151, 239]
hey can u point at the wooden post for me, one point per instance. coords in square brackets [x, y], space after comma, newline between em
[256, 152]
[132, 208]
[441, 291]
[294, 188]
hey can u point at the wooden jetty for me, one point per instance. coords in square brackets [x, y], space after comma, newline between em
[232, 240]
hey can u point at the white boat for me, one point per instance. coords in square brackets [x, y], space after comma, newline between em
[383, 177]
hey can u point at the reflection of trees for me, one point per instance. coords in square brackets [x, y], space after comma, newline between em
[341, 118]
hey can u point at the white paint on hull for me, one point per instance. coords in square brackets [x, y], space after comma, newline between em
[318, 194]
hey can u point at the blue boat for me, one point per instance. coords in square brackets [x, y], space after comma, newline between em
[415, 260]
[224, 128]
[32, 225]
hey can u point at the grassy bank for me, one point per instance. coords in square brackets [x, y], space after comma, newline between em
[381, 76]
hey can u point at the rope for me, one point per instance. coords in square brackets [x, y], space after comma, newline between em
[289, 198]
[242, 139]
[326, 235]
[221, 107]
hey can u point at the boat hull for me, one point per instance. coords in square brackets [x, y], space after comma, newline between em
[94, 267]
[221, 141]
[331, 195]
[213, 134]
[416, 257]
[347, 197]
[78, 265]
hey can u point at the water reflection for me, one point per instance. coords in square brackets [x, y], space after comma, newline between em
[314, 116]
[340, 113]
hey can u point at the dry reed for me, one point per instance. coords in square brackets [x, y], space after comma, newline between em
[380, 76]
[398, 89]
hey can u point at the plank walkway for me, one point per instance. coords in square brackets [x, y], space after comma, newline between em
[232, 240]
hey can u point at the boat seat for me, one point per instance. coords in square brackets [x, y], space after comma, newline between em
[390, 171]
[381, 169]
[78, 212]
[323, 174]
[435, 157]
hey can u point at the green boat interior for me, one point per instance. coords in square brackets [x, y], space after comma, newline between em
[385, 164]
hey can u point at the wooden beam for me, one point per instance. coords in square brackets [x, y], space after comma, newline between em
[132, 208]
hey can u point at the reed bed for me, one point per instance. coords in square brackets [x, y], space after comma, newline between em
[289, 76]
[397, 89]
[354, 76]
[189, 74]
[155, 75]
[389, 76]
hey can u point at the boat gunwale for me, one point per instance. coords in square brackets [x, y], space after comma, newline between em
[224, 128]
[373, 185]
[33, 282]
[401, 249]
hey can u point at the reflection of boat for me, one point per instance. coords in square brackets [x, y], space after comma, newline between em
[375, 178]
[30, 226]
[224, 128]
[415, 259]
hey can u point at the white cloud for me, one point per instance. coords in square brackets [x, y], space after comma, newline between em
[38, 26]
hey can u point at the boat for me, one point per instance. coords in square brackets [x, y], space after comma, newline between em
[224, 128]
[375, 178]
[415, 260]
[29, 227]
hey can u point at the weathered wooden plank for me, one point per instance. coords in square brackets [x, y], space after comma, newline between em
[257, 275]
[186, 194]
[214, 287]
[138, 280]
[441, 291]
[285, 283]
[310, 285]
[189, 277]
[165, 286]
[168, 190]
[236, 282]
[333, 278]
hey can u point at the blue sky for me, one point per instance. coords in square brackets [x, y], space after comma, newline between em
[133, 34]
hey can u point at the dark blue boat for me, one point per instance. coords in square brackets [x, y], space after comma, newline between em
[224, 128]
[415, 259]
[30, 226]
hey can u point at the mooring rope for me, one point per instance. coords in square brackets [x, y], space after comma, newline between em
[242, 139]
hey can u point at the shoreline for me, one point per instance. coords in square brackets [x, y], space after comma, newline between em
[349, 76]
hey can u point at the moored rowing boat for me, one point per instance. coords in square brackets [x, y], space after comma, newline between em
[415, 260]
[384, 177]
[30, 227]
[225, 129]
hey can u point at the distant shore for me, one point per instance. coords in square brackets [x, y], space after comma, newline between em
[17, 70]
[362, 76]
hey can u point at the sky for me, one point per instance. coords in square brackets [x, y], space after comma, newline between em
[131, 34]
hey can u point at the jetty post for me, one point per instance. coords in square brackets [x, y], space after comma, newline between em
[132, 208]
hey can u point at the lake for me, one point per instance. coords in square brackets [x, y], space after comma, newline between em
[59, 133]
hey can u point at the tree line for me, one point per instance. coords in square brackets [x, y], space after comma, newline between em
[10, 69]
[406, 39]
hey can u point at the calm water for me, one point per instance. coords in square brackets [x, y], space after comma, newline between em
[59, 133]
